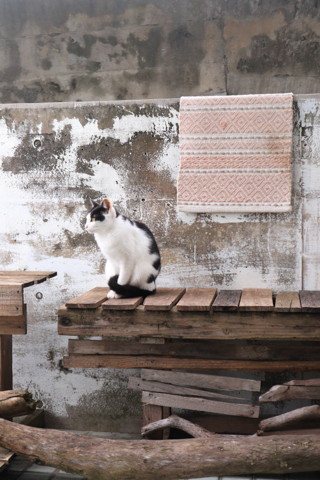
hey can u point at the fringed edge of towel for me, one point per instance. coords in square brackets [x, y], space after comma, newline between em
[198, 208]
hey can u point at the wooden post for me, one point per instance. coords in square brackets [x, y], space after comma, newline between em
[5, 362]
[153, 413]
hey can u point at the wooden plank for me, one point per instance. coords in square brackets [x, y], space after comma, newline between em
[154, 411]
[163, 299]
[200, 404]
[271, 326]
[122, 303]
[136, 383]
[24, 281]
[288, 302]
[150, 414]
[11, 310]
[92, 299]
[14, 325]
[5, 362]
[210, 350]
[124, 362]
[227, 301]
[310, 300]
[11, 295]
[24, 278]
[256, 300]
[27, 273]
[197, 300]
[216, 382]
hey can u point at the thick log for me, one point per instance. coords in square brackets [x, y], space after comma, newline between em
[177, 422]
[286, 420]
[101, 459]
[14, 403]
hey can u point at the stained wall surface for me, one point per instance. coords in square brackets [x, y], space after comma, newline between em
[53, 157]
[83, 50]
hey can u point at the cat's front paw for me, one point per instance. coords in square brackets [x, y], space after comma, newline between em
[113, 294]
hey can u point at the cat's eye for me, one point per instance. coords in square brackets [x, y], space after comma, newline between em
[92, 220]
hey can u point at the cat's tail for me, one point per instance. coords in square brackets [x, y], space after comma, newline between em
[128, 291]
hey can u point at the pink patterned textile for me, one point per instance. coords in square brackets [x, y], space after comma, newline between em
[235, 153]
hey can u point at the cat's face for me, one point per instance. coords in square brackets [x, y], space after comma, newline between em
[98, 217]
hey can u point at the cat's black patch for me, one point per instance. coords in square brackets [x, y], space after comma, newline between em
[127, 291]
[126, 219]
[157, 264]
[97, 213]
[151, 278]
[153, 248]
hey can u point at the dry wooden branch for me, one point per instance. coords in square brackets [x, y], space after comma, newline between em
[100, 459]
[287, 392]
[177, 422]
[14, 403]
[284, 421]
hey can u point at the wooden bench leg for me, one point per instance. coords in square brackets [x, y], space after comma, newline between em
[5, 362]
[153, 413]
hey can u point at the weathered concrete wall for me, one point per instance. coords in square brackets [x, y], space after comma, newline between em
[53, 157]
[108, 50]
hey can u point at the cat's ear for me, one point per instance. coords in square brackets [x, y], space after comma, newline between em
[106, 204]
[93, 203]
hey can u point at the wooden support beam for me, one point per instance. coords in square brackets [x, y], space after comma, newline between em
[5, 362]
[151, 414]
[256, 326]
[165, 363]
[185, 349]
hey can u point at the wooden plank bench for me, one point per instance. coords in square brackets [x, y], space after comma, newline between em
[194, 329]
[200, 325]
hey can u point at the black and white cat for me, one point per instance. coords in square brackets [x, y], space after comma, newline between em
[133, 257]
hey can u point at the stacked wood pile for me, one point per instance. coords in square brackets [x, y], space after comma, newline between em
[197, 392]
[173, 389]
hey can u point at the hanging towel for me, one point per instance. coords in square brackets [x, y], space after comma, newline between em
[235, 153]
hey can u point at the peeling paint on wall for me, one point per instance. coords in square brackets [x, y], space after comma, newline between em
[53, 158]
